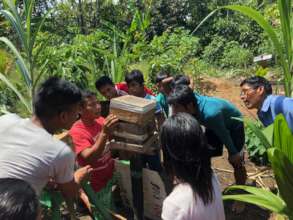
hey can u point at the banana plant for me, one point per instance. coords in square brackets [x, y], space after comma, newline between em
[281, 158]
[283, 47]
[27, 53]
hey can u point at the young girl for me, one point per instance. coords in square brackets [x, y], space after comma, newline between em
[196, 194]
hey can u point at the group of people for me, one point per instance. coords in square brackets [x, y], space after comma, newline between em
[193, 129]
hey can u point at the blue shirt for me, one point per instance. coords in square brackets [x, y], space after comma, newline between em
[158, 107]
[217, 115]
[267, 113]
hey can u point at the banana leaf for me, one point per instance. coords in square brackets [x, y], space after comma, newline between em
[259, 197]
[283, 138]
[283, 170]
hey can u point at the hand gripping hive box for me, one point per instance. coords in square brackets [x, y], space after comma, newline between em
[136, 129]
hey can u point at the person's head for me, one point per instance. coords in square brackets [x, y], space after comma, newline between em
[57, 101]
[163, 83]
[18, 200]
[106, 87]
[254, 90]
[181, 80]
[135, 83]
[182, 99]
[91, 108]
[185, 152]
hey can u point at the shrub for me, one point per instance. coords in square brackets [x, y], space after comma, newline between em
[214, 51]
[235, 56]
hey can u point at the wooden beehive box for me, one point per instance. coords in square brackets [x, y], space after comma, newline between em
[148, 147]
[133, 132]
[133, 109]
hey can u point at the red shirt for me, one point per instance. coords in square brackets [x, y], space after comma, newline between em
[123, 86]
[84, 137]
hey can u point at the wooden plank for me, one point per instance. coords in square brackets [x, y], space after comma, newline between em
[149, 147]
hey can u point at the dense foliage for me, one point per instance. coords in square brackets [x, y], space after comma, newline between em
[81, 40]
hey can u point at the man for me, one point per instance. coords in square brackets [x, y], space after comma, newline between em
[256, 92]
[217, 115]
[28, 150]
[89, 135]
[135, 83]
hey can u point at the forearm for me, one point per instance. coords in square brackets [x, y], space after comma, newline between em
[95, 152]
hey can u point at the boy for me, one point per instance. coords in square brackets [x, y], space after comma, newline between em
[135, 83]
[109, 90]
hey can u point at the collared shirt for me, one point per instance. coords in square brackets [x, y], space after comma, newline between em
[218, 115]
[267, 113]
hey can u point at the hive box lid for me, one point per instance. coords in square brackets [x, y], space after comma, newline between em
[133, 104]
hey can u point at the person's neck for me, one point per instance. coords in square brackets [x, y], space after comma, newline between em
[87, 121]
[260, 104]
[45, 124]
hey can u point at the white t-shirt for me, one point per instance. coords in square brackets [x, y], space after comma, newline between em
[181, 204]
[30, 153]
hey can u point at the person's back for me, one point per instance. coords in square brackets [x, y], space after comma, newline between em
[211, 107]
[183, 204]
[30, 153]
[28, 150]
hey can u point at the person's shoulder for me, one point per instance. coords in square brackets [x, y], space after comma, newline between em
[10, 117]
[77, 126]
[181, 193]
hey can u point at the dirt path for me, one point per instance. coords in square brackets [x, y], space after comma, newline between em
[230, 90]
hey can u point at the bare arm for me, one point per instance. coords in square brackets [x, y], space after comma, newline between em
[93, 153]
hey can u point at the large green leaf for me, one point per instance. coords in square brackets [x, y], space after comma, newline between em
[20, 61]
[283, 171]
[258, 197]
[18, 94]
[13, 17]
[285, 17]
[283, 138]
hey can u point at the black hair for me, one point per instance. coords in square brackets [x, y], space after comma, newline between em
[161, 76]
[258, 81]
[183, 95]
[103, 81]
[136, 76]
[18, 200]
[186, 156]
[87, 94]
[54, 96]
[181, 80]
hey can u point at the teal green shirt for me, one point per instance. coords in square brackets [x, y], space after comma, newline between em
[162, 100]
[217, 115]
